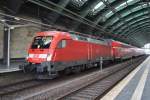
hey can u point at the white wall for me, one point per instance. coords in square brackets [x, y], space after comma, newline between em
[21, 39]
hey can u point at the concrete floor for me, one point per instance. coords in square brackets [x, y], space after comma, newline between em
[14, 66]
[136, 86]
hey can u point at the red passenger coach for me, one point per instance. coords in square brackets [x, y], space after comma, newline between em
[124, 51]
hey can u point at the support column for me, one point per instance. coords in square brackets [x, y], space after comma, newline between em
[6, 46]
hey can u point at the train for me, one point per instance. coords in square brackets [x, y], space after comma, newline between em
[54, 51]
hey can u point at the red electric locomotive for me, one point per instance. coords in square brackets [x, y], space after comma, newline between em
[54, 51]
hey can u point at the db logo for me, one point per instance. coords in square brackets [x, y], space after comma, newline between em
[36, 56]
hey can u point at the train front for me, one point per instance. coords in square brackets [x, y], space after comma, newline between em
[39, 56]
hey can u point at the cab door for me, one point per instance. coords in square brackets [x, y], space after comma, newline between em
[60, 51]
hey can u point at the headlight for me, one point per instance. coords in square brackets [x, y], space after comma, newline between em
[27, 56]
[49, 56]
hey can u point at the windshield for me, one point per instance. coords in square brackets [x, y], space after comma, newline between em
[41, 42]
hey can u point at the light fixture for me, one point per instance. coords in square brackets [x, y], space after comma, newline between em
[12, 27]
[2, 20]
[16, 18]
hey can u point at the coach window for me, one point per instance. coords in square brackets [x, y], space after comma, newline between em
[61, 44]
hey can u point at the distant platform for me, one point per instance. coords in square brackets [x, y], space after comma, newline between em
[14, 66]
[6, 70]
[136, 86]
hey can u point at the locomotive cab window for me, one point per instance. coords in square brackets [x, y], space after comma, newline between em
[41, 42]
[61, 44]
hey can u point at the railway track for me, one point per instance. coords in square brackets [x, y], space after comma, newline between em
[97, 89]
[19, 86]
[87, 87]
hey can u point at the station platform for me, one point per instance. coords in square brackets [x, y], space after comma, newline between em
[14, 66]
[136, 86]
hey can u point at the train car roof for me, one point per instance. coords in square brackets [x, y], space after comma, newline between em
[52, 33]
[118, 43]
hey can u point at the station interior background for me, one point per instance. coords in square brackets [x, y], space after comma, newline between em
[25, 18]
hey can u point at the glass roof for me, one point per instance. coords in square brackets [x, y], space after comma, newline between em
[115, 20]
[119, 24]
[124, 5]
[98, 7]
[121, 6]
[137, 15]
[100, 4]
[126, 13]
[137, 8]
[145, 23]
[134, 16]
[134, 10]
[110, 1]
[135, 21]
[78, 3]
[109, 14]
[144, 5]
[139, 23]
[138, 20]
[132, 13]
[129, 18]
[130, 2]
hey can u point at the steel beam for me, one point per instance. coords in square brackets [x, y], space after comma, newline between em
[136, 28]
[72, 15]
[139, 30]
[84, 11]
[62, 4]
[132, 25]
[147, 14]
[127, 17]
[114, 11]
[129, 7]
